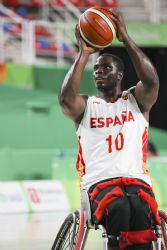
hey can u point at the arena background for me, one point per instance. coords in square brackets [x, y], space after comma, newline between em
[38, 145]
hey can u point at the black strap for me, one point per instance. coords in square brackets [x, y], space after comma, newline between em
[127, 194]
[117, 238]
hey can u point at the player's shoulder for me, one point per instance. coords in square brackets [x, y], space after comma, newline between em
[89, 98]
[85, 97]
[78, 120]
[126, 93]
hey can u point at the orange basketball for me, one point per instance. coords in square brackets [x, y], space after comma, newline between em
[96, 27]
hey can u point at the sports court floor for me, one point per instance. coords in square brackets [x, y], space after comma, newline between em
[36, 231]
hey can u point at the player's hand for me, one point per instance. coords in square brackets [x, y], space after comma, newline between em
[83, 46]
[122, 34]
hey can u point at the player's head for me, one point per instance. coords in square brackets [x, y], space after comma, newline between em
[108, 72]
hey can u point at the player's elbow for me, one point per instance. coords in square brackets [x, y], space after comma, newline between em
[152, 85]
[64, 100]
[155, 79]
[155, 88]
[61, 99]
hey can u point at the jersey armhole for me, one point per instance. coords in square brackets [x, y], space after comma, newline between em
[132, 93]
[81, 117]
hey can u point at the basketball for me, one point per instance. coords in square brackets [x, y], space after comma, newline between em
[97, 27]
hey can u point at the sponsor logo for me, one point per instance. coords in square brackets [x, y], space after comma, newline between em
[96, 102]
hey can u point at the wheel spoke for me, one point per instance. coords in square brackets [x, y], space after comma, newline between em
[67, 235]
[163, 217]
[67, 240]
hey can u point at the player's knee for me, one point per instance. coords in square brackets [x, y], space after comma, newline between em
[120, 206]
[140, 211]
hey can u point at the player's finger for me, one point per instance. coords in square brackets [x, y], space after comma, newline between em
[113, 17]
[77, 30]
[115, 14]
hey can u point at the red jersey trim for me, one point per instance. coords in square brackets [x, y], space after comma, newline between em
[80, 164]
[144, 150]
[144, 144]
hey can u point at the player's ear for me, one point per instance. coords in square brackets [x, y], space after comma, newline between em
[120, 76]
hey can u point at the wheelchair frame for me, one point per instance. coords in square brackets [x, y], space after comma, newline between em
[77, 225]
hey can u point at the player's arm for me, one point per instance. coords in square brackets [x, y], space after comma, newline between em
[73, 104]
[146, 90]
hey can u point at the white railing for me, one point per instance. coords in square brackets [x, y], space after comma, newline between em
[153, 8]
[20, 42]
[24, 45]
[142, 11]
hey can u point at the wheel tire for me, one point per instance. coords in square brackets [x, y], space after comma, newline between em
[163, 217]
[66, 237]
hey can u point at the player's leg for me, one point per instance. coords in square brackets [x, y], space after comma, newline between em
[116, 215]
[141, 220]
[117, 218]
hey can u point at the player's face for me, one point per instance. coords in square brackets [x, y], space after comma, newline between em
[105, 73]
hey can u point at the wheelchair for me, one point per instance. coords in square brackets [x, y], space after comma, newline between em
[73, 233]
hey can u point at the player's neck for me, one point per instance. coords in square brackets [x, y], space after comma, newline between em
[110, 96]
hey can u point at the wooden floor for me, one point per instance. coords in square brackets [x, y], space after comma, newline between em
[36, 232]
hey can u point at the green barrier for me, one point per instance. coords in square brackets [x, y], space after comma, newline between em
[64, 170]
[147, 35]
[32, 119]
[20, 74]
[25, 164]
[45, 77]
[51, 77]
[159, 138]
[61, 165]
[144, 34]
[158, 171]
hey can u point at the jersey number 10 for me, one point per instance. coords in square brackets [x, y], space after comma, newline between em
[118, 143]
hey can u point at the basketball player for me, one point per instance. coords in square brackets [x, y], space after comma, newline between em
[112, 130]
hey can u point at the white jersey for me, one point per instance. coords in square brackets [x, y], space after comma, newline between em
[112, 141]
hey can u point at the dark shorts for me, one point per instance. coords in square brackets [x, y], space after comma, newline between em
[127, 213]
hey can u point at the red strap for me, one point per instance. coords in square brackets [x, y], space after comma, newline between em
[115, 193]
[124, 181]
[151, 202]
[136, 237]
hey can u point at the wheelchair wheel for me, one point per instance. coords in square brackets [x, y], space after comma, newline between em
[163, 217]
[67, 235]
